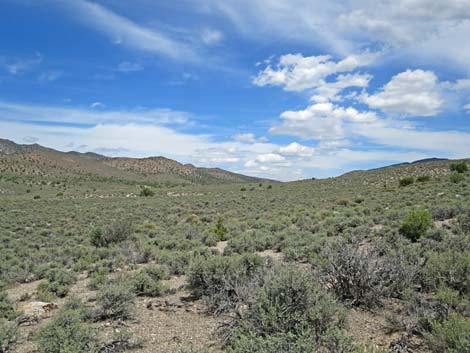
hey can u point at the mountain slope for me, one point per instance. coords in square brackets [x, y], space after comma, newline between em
[36, 160]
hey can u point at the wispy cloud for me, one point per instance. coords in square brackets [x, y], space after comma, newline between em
[211, 36]
[19, 66]
[126, 32]
[127, 67]
[27, 112]
[50, 76]
[97, 105]
[422, 29]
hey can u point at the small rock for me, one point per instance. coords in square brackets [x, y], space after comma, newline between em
[38, 310]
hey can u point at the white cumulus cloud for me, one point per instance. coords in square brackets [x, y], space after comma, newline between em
[270, 158]
[296, 72]
[297, 149]
[321, 121]
[411, 93]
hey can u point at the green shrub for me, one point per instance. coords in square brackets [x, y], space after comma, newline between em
[456, 178]
[463, 222]
[177, 262]
[359, 199]
[423, 178]
[451, 336]
[460, 167]
[223, 281]
[66, 333]
[343, 202]
[449, 268]
[416, 224]
[57, 283]
[407, 181]
[118, 232]
[244, 243]
[115, 300]
[291, 312]
[98, 278]
[8, 331]
[147, 282]
[6, 309]
[364, 277]
[147, 192]
[220, 230]
[97, 238]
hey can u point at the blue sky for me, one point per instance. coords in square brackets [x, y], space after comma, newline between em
[285, 89]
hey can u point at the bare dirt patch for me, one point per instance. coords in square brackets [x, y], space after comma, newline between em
[220, 246]
[164, 324]
[275, 255]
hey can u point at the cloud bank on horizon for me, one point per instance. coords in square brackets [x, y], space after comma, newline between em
[285, 89]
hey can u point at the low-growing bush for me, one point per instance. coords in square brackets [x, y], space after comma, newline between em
[361, 276]
[148, 282]
[220, 230]
[177, 262]
[449, 268]
[8, 335]
[57, 283]
[443, 213]
[66, 333]
[456, 178]
[451, 336]
[244, 243]
[147, 192]
[423, 178]
[406, 181]
[98, 278]
[463, 222]
[416, 224]
[290, 313]
[115, 300]
[223, 282]
[118, 232]
[6, 309]
[460, 167]
[359, 199]
[343, 202]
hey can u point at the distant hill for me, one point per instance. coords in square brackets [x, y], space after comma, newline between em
[426, 160]
[433, 167]
[36, 160]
